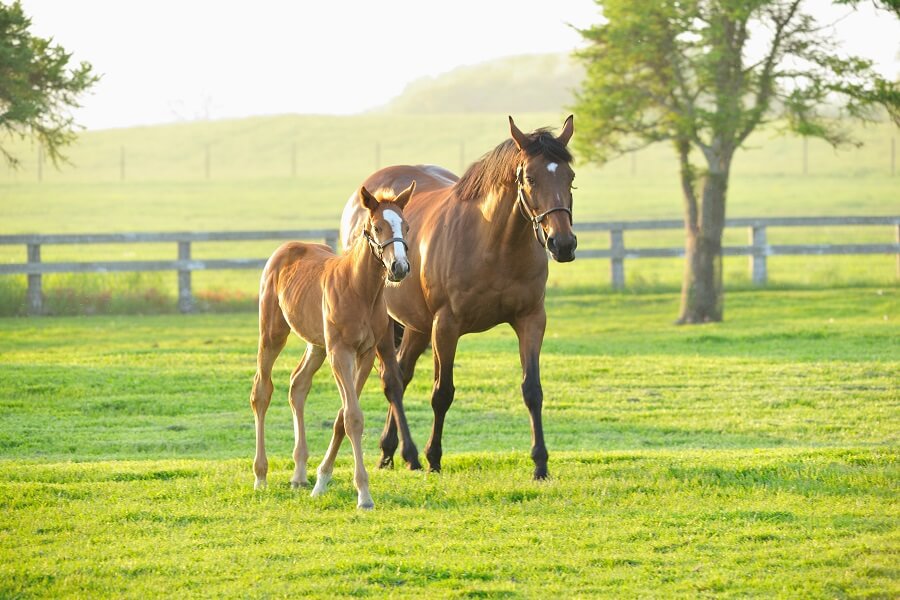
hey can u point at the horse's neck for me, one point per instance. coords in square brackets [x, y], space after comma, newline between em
[363, 271]
[504, 223]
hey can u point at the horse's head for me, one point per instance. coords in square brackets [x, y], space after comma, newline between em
[544, 179]
[386, 230]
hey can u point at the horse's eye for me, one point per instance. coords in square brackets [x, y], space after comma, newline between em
[530, 180]
[377, 229]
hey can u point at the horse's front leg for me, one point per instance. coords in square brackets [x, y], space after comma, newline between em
[394, 381]
[530, 331]
[347, 367]
[444, 338]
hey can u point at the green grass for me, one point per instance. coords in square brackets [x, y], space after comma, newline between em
[756, 457]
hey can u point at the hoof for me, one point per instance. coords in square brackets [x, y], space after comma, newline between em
[296, 485]
[365, 502]
[260, 484]
[540, 474]
[414, 465]
[321, 485]
[386, 462]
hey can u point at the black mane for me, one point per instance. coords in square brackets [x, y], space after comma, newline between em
[499, 165]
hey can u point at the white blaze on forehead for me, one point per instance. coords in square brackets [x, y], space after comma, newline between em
[396, 223]
[552, 167]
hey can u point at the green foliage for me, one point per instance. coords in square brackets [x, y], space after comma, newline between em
[37, 86]
[679, 70]
[751, 458]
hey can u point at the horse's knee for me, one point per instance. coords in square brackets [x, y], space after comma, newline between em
[442, 397]
[261, 393]
[353, 421]
[532, 394]
[392, 385]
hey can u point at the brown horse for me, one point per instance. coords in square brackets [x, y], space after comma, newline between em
[478, 257]
[336, 304]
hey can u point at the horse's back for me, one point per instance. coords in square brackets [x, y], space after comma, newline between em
[391, 181]
[291, 285]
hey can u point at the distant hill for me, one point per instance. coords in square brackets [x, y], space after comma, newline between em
[518, 84]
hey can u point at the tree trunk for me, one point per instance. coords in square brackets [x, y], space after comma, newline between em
[701, 290]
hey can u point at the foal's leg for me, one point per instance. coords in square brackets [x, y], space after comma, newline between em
[273, 334]
[530, 331]
[347, 367]
[301, 381]
[323, 473]
[444, 338]
[394, 380]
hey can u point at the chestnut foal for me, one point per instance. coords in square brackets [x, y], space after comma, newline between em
[336, 304]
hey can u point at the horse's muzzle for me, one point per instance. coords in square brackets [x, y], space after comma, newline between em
[399, 269]
[562, 247]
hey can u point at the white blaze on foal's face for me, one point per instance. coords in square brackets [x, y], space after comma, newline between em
[552, 167]
[396, 222]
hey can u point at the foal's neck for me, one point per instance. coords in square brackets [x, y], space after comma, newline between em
[363, 270]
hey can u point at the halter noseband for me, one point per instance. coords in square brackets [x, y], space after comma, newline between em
[377, 247]
[529, 213]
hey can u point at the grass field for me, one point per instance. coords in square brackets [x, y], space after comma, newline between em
[756, 457]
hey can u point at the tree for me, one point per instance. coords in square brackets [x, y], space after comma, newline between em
[682, 71]
[38, 86]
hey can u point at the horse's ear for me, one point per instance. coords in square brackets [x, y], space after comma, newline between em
[568, 130]
[404, 196]
[367, 200]
[518, 137]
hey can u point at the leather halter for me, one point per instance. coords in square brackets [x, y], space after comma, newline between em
[377, 247]
[530, 214]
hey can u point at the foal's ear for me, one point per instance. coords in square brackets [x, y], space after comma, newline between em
[518, 137]
[404, 196]
[367, 200]
[568, 130]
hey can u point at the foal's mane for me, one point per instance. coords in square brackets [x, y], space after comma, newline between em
[499, 165]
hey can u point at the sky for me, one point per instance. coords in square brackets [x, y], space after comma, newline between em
[175, 60]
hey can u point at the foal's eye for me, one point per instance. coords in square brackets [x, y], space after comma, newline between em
[377, 229]
[530, 180]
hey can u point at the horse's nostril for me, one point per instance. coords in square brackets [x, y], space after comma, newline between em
[551, 244]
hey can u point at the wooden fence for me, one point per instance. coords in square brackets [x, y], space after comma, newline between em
[758, 250]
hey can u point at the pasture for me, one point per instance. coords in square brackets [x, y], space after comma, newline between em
[754, 457]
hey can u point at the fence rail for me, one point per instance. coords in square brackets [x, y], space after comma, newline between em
[758, 249]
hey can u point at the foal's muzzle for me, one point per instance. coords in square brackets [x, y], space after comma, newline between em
[398, 270]
[562, 247]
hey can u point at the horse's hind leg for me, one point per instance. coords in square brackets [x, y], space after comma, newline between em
[301, 381]
[273, 334]
[394, 379]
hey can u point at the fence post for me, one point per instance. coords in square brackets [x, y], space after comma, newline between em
[35, 289]
[617, 258]
[331, 241]
[185, 298]
[758, 271]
